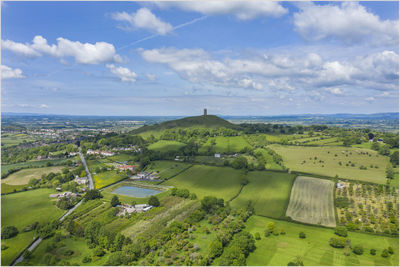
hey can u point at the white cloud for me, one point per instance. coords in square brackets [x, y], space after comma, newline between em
[123, 73]
[84, 53]
[144, 19]
[350, 22]
[151, 77]
[334, 91]
[275, 72]
[9, 73]
[370, 99]
[244, 10]
[44, 106]
[24, 49]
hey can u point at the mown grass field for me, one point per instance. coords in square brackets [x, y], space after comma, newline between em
[226, 144]
[311, 201]
[167, 169]
[314, 250]
[222, 182]
[268, 191]
[30, 164]
[21, 210]
[326, 161]
[166, 146]
[22, 177]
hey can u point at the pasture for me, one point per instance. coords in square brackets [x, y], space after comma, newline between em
[21, 210]
[10, 139]
[311, 201]
[30, 164]
[314, 250]
[166, 146]
[346, 162]
[106, 178]
[225, 144]
[221, 182]
[22, 177]
[167, 169]
[270, 163]
[268, 191]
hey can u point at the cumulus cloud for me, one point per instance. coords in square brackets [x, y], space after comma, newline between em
[144, 19]
[350, 22]
[245, 10]
[123, 73]
[151, 77]
[10, 73]
[278, 72]
[23, 49]
[84, 53]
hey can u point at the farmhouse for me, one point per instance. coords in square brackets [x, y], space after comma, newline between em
[145, 176]
[80, 180]
[65, 194]
[127, 167]
[125, 208]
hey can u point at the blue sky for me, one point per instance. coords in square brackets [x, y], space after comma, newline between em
[176, 58]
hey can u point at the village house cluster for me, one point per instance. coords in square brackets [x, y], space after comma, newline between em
[65, 194]
[98, 152]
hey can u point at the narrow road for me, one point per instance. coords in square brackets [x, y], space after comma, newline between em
[38, 239]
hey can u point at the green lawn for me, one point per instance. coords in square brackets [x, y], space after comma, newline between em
[21, 210]
[221, 182]
[167, 169]
[225, 144]
[166, 146]
[269, 192]
[22, 177]
[301, 158]
[314, 250]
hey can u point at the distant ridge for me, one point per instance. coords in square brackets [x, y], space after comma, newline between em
[209, 121]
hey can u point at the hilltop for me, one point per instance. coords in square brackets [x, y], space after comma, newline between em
[208, 121]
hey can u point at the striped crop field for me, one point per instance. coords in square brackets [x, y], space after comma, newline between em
[311, 201]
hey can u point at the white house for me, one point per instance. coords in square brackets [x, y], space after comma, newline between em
[217, 155]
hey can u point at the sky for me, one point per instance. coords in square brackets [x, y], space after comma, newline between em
[176, 58]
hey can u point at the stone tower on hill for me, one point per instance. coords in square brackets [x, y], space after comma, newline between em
[205, 112]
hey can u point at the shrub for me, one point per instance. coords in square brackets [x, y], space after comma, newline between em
[385, 253]
[357, 249]
[337, 242]
[372, 251]
[257, 236]
[8, 232]
[153, 201]
[99, 252]
[68, 252]
[267, 233]
[115, 201]
[341, 231]
[283, 232]
[390, 250]
[86, 259]
[302, 235]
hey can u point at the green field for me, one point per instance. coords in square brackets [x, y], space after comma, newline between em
[269, 192]
[225, 144]
[166, 146]
[106, 178]
[21, 210]
[167, 169]
[22, 177]
[222, 182]
[308, 159]
[10, 139]
[311, 201]
[270, 163]
[30, 164]
[314, 250]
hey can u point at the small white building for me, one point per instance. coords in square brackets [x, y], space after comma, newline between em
[81, 180]
[217, 155]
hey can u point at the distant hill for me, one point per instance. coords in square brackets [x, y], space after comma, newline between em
[208, 121]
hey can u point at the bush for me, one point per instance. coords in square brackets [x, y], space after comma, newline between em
[115, 201]
[257, 236]
[385, 253]
[86, 259]
[68, 252]
[337, 242]
[8, 232]
[372, 251]
[92, 194]
[99, 252]
[390, 250]
[359, 250]
[341, 231]
[302, 235]
[153, 201]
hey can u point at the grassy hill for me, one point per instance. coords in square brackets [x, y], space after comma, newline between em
[209, 121]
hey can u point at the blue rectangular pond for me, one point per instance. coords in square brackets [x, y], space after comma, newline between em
[134, 191]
